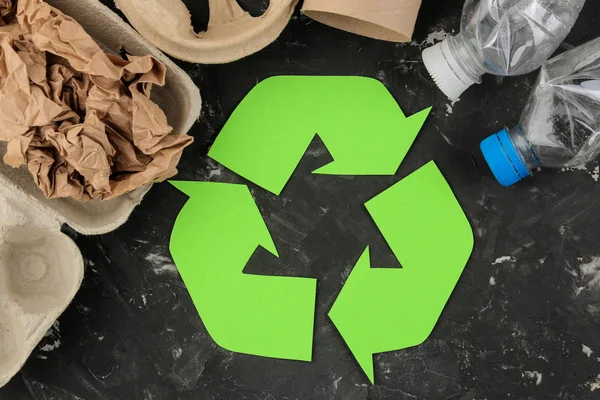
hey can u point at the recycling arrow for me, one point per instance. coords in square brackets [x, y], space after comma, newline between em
[268, 316]
[381, 310]
[357, 118]
[220, 227]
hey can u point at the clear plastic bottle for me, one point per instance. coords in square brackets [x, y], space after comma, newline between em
[500, 37]
[560, 126]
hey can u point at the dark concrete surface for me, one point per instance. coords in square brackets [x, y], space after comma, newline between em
[523, 322]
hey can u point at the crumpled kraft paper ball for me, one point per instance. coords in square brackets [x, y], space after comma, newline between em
[390, 20]
[232, 32]
[79, 118]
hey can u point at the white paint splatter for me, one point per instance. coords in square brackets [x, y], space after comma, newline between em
[503, 259]
[561, 230]
[54, 333]
[595, 384]
[161, 264]
[586, 350]
[450, 107]
[492, 281]
[533, 375]
[51, 346]
[432, 38]
[594, 173]
[144, 300]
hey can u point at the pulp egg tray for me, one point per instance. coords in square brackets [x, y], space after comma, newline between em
[41, 269]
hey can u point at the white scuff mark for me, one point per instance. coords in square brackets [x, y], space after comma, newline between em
[503, 259]
[561, 230]
[144, 300]
[595, 384]
[591, 273]
[148, 395]
[533, 375]
[492, 281]
[336, 383]
[214, 172]
[176, 352]
[446, 138]
[100, 338]
[586, 350]
[161, 264]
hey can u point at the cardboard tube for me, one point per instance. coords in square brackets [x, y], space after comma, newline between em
[390, 20]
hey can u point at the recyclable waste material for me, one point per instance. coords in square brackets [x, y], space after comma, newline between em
[41, 268]
[80, 119]
[505, 38]
[232, 33]
[560, 125]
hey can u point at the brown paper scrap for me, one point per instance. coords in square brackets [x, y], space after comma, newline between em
[82, 120]
[391, 20]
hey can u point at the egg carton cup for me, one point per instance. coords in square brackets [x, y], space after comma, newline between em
[41, 269]
[232, 33]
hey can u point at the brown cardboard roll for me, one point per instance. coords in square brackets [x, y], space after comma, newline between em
[390, 20]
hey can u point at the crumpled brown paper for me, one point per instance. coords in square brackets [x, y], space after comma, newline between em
[82, 120]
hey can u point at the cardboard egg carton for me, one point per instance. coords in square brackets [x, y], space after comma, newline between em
[41, 269]
[232, 33]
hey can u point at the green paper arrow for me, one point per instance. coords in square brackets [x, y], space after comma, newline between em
[381, 310]
[214, 236]
[357, 118]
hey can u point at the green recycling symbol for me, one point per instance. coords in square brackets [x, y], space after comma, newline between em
[220, 227]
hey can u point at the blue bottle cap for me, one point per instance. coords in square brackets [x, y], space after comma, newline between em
[503, 159]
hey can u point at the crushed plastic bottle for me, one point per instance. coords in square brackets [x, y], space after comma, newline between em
[500, 37]
[560, 126]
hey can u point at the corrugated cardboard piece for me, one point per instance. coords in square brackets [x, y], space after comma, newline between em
[232, 33]
[391, 20]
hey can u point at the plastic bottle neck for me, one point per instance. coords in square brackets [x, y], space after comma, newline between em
[509, 156]
[454, 65]
[523, 147]
[466, 57]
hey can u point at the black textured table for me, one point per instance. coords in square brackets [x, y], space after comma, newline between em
[523, 322]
